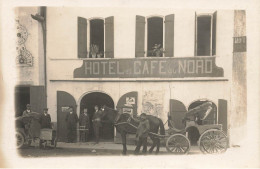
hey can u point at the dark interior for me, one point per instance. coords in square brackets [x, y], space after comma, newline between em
[97, 34]
[89, 101]
[155, 33]
[203, 35]
[22, 98]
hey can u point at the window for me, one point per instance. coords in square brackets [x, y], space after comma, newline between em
[153, 37]
[98, 42]
[205, 43]
[96, 48]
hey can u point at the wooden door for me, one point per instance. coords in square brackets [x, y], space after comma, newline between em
[64, 101]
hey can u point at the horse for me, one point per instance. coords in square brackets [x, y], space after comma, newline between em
[125, 124]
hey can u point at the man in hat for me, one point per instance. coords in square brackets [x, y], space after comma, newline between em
[84, 125]
[97, 123]
[72, 119]
[142, 134]
[45, 119]
[28, 110]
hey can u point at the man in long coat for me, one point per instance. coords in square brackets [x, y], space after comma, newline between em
[45, 119]
[84, 125]
[97, 123]
[72, 119]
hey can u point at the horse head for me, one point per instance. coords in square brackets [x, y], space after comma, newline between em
[109, 113]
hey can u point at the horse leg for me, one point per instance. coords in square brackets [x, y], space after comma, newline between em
[158, 145]
[153, 145]
[123, 136]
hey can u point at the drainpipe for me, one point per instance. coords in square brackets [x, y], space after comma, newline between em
[41, 18]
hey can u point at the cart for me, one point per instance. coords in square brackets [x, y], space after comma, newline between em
[28, 130]
[48, 137]
[212, 139]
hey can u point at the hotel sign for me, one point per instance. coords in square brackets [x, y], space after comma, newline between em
[239, 44]
[149, 68]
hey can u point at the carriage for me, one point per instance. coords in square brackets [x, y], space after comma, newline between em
[212, 139]
[28, 130]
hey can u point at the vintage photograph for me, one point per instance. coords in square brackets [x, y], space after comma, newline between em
[130, 86]
[129, 81]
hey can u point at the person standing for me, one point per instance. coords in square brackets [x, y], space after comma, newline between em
[71, 119]
[84, 125]
[142, 134]
[97, 123]
[28, 110]
[45, 119]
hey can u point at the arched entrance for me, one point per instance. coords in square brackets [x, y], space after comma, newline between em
[89, 101]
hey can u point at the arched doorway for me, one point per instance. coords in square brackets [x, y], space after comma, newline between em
[89, 101]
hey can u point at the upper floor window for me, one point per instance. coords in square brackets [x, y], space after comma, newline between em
[96, 38]
[205, 38]
[156, 38]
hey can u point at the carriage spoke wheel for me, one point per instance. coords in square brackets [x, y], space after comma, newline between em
[178, 144]
[213, 141]
[19, 140]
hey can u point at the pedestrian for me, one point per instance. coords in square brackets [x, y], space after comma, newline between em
[71, 119]
[97, 123]
[28, 110]
[45, 119]
[84, 125]
[142, 134]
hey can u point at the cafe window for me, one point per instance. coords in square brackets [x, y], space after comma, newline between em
[154, 36]
[205, 42]
[96, 37]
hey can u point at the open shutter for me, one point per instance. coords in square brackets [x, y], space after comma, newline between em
[196, 34]
[139, 36]
[177, 113]
[109, 37]
[222, 114]
[82, 37]
[37, 98]
[214, 30]
[169, 35]
[64, 101]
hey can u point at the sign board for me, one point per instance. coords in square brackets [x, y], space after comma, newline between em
[149, 68]
[239, 44]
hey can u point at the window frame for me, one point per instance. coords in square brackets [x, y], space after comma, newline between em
[211, 31]
[88, 36]
[146, 34]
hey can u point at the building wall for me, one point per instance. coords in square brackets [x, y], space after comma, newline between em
[62, 57]
[31, 75]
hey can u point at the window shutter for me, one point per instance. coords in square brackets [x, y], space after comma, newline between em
[109, 37]
[82, 37]
[169, 35]
[214, 30]
[139, 36]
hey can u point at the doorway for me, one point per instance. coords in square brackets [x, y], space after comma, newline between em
[89, 101]
[22, 98]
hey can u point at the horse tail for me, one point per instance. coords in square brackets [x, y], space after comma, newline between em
[162, 130]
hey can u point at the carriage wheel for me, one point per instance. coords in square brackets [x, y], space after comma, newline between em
[213, 141]
[19, 139]
[178, 144]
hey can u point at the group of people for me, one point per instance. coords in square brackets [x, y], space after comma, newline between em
[84, 124]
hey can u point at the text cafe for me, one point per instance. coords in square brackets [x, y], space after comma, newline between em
[163, 68]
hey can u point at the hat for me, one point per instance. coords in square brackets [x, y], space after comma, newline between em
[45, 109]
